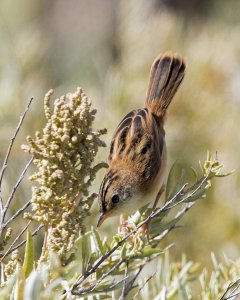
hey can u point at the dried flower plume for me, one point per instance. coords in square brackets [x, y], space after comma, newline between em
[64, 154]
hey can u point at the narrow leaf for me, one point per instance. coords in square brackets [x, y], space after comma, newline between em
[20, 283]
[176, 180]
[33, 286]
[98, 241]
[149, 252]
[29, 255]
[170, 181]
[86, 251]
[182, 294]
[197, 195]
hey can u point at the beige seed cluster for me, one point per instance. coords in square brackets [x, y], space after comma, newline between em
[11, 266]
[64, 155]
[6, 238]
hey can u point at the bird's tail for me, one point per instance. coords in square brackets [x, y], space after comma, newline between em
[166, 75]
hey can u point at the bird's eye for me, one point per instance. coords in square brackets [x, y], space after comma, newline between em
[115, 199]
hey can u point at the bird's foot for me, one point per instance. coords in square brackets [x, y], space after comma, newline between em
[144, 230]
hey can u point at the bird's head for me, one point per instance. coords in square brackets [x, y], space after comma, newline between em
[116, 191]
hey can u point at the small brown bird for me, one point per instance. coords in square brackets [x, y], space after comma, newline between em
[137, 157]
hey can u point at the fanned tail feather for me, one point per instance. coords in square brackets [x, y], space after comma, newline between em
[166, 75]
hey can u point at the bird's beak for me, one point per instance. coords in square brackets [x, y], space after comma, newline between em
[101, 219]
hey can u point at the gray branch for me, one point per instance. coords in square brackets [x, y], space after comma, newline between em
[5, 162]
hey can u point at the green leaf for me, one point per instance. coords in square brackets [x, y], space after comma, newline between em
[20, 283]
[103, 297]
[163, 294]
[182, 293]
[98, 241]
[29, 255]
[157, 229]
[2, 273]
[199, 194]
[194, 173]
[170, 181]
[79, 247]
[201, 167]
[103, 287]
[176, 180]
[149, 252]
[214, 261]
[86, 251]
[159, 217]
[123, 251]
[185, 269]
[225, 174]
[33, 286]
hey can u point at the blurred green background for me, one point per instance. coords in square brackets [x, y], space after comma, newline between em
[107, 47]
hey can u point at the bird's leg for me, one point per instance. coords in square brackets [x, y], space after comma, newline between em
[123, 224]
[145, 229]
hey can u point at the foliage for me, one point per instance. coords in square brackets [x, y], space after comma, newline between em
[110, 47]
[184, 280]
[101, 268]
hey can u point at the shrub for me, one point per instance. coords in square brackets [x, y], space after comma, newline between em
[75, 261]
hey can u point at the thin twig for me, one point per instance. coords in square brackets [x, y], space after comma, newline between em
[233, 295]
[109, 253]
[149, 218]
[130, 285]
[104, 257]
[1, 205]
[5, 209]
[122, 297]
[167, 206]
[185, 208]
[16, 239]
[236, 288]
[139, 290]
[26, 205]
[117, 283]
[35, 232]
[231, 284]
[5, 162]
[96, 284]
[159, 194]
[200, 185]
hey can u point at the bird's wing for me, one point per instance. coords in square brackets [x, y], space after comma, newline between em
[139, 141]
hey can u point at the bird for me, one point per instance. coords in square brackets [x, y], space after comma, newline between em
[138, 155]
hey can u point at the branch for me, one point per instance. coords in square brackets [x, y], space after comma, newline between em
[5, 162]
[5, 209]
[146, 281]
[167, 206]
[10, 250]
[1, 205]
[131, 283]
[110, 252]
[17, 214]
[184, 209]
[14, 242]
[232, 293]
[199, 185]
[124, 289]
[96, 284]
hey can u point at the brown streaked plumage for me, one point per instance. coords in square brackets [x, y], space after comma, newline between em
[137, 155]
